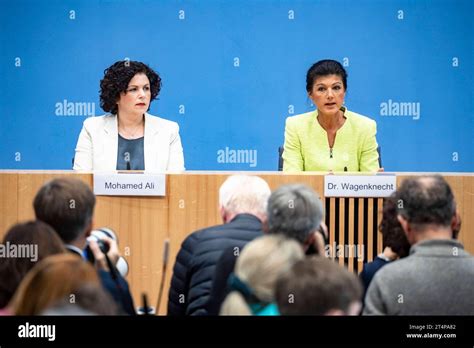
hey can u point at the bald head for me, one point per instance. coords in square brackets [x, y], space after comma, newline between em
[426, 200]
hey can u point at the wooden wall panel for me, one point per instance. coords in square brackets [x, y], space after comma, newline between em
[361, 240]
[465, 199]
[370, 230]
[351, 256]
[8, 201]
[332, 226]
[141, 225]
[340, 232]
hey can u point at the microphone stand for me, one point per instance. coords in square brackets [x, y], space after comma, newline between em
[163, 273]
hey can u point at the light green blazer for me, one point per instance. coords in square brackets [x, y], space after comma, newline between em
[307, 149]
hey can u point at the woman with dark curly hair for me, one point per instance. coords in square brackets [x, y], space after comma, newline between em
[128, 138]
[395, 242]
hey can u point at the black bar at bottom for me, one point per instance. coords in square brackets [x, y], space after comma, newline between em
[237, 330]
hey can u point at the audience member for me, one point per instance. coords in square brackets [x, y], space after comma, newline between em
[31, 242]
[256, 271]
[243, 202]
[318, 286]
[50, 281]
[89, 299]
[294, 211]
[394, 241]
[422, 283]
[68, 206]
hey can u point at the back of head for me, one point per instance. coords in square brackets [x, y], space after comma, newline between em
[426, 200]
[318, 286]
[32, 241]
[67, 205]
[295, 211]
[65, 308]
[89, 299]
[258, 267]
[392, 232]
[50, 281]
[241, 194]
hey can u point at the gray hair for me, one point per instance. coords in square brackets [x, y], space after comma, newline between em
[295, 211]
[244, 194]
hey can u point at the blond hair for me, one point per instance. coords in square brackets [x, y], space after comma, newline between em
[259, 266]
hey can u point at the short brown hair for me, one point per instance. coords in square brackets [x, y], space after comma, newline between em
[316, 285]
[426, 200]
[67, 205]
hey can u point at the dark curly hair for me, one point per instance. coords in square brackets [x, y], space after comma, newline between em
[392, 232]
[116, 80]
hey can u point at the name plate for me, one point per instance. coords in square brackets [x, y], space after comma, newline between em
[138, 184]
[359, 185]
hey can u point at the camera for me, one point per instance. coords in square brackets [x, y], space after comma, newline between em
[98, 236]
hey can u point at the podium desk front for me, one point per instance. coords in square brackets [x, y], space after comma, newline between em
[191, 203]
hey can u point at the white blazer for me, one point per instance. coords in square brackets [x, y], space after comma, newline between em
[97, 145]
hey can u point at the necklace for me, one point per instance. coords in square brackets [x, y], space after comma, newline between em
[131, 135]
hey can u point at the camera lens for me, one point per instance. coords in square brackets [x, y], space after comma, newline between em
[104, 247]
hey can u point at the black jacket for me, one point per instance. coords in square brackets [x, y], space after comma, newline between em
[117, 288]
[219, 288]
[197, 259]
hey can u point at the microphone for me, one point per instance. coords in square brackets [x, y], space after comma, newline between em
[166, 252]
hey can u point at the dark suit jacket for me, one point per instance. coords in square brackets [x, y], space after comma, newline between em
[197, 258]
[369, 270]
[220, 290]
[118, 288]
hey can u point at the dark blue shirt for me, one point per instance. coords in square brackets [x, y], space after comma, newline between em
[370, 269]
[130, 154]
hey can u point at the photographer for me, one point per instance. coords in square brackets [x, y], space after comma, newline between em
[67, 205]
